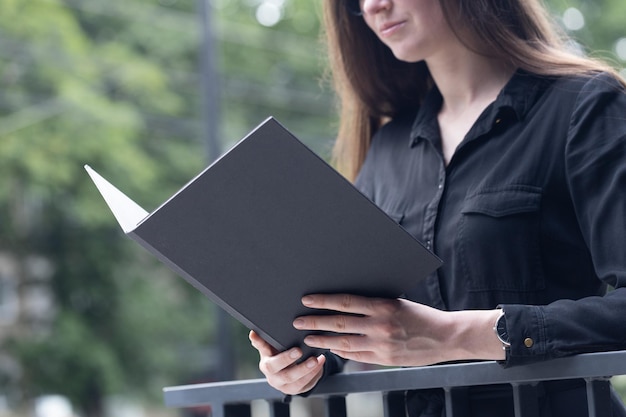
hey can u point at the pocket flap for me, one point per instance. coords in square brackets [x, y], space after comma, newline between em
[504, 201]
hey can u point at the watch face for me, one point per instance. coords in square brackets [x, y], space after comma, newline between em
[502, 331]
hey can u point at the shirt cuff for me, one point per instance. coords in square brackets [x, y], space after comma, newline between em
[527, 334]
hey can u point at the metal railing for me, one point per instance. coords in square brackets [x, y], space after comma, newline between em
[233, 399]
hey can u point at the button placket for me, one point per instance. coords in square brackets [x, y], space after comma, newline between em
[431, 212]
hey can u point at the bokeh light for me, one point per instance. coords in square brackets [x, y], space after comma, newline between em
[269, 12]
[573, 19]
[620, 48]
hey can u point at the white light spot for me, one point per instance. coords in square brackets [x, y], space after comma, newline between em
[53, 406]
[268, 13]
[573, 19]
[620, 49]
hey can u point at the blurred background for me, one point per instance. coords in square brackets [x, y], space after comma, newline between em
[148, 92]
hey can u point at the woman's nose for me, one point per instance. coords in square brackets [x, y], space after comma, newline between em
[374, 6]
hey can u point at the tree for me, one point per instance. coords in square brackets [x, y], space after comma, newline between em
[115, 85]
[71, 97]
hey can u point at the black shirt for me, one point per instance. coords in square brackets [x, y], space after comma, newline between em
[530, 212]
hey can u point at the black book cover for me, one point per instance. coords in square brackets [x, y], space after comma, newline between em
[269, 222]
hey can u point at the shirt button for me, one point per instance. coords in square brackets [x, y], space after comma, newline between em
[528, 342]
[428, 244]
[440, 186]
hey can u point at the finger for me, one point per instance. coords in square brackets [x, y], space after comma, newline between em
[264, 348]
[316, 370]
[344, 343]
[347, 303]
[340, 323]
[277, 363]
[363, 357]
[299, 378]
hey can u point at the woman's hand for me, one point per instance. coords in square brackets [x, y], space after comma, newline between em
[281, 370]
[399, 332]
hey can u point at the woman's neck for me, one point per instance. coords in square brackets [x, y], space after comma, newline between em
[465, 78]
[468, 83]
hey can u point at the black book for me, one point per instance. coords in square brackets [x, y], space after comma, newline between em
[267, 223]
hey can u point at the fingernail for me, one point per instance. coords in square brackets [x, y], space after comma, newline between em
[294, 354]
[307, 300]
[310, 340]
[298, 323]
[311, 363]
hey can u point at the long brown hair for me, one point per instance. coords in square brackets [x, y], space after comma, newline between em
[373, 86]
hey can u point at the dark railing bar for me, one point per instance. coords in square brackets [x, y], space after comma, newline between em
[599, 397]
[336, 406]
[590, 365]
[394, 404]
[279, 409]
[525, 400]
[237, 410]
[457, 402]
[220, 392]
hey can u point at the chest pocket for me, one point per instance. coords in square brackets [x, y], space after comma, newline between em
[498, 240]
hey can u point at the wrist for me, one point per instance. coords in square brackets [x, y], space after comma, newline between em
[473, 335]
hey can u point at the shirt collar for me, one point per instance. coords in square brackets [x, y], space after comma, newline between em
[522, 92]
[518, 95]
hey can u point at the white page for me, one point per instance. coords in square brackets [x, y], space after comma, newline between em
[128, 213]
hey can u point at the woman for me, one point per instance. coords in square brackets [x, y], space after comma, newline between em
[470, 123]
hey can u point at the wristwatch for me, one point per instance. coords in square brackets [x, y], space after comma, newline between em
[501, 331]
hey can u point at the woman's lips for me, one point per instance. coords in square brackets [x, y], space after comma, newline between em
[388, 29]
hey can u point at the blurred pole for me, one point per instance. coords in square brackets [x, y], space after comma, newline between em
[209, 80]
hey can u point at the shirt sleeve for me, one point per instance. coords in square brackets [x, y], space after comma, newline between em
[595, 158]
